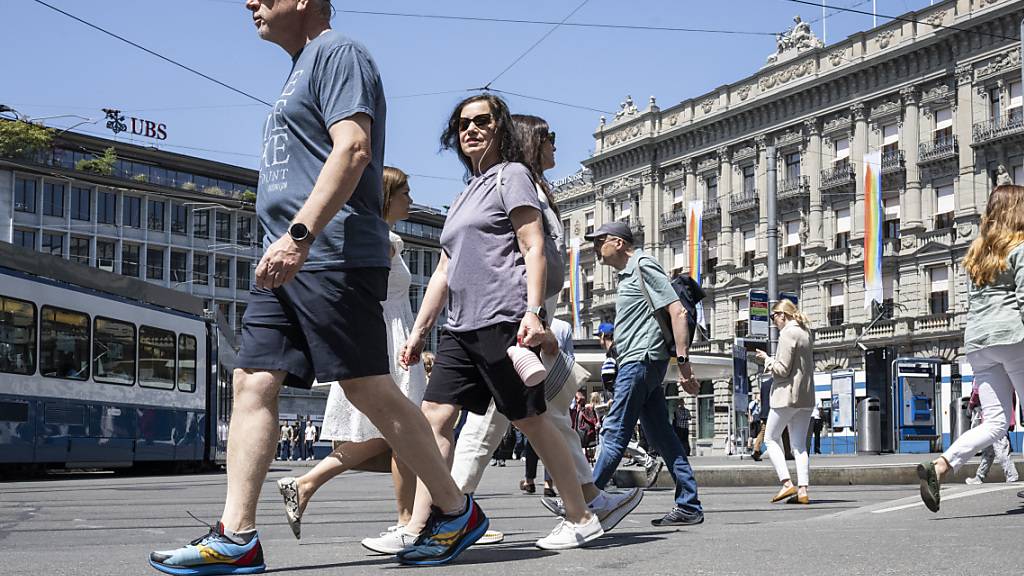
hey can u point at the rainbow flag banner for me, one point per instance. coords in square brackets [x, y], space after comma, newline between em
[872, 228]
[694, 233]
[575, 288]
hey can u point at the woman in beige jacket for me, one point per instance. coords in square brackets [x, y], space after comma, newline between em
[792, 397]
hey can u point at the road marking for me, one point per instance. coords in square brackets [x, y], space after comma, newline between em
[954, 496]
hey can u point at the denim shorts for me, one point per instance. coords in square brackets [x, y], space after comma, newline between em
[324, 324]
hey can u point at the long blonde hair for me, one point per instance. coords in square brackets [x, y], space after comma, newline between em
[1002, 230]
[791, 312]
[393, 180]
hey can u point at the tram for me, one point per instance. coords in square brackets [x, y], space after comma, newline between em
[98, 370]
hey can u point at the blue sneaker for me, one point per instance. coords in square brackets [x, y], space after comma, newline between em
[214, 553]
[445, 537]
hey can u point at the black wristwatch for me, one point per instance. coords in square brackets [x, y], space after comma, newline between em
[682, 360]
[300, 233]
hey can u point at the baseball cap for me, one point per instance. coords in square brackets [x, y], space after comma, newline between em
[619, 229]
[606, 328]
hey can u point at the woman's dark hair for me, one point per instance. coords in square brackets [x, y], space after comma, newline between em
[509, 149]
[532, 132]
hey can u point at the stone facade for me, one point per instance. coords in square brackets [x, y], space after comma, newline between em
[943, 105]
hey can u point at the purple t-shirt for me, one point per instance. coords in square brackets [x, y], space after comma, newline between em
[486, 270]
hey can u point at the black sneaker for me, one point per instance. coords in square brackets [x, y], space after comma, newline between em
[679, 517]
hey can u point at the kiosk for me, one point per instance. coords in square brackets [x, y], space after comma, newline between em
[915, 404]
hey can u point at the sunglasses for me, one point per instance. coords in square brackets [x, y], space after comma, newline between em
[551, 137]
[481, 121]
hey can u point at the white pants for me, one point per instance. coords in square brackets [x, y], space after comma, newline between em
[798, 420]
[998, 370]
[1000, 451]
[481, 434]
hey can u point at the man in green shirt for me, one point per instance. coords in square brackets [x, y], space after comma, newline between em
[643, 361]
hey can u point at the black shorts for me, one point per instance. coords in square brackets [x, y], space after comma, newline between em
[325, 324]
[471, 368]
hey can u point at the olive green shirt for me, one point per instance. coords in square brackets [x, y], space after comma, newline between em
[637, 334]
[994, 311]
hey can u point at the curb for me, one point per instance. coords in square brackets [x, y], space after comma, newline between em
[764, 475]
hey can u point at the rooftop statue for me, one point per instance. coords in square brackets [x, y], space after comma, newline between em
[798, 39]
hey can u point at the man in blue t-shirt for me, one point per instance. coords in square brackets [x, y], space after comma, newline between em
[315, 312]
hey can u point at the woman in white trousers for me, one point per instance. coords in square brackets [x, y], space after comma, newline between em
[994, 336]
[792, 398]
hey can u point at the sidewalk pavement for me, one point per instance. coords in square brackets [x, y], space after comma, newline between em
[826, 470]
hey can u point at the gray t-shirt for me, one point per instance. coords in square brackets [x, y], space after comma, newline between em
[486, 270]
[332, 78]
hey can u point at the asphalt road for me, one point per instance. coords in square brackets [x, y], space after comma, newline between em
[106, 524]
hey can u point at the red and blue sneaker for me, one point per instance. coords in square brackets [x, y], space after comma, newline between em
[445, 537]
[213, 553]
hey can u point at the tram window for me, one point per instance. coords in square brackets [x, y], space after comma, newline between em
[17, 336]
[64, 344]
[187, 363]
[113, 360]
[156, 358]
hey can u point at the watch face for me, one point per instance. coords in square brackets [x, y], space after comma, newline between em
[298, 231]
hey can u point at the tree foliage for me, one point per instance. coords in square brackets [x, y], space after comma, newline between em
[103, 165]
[20, 139]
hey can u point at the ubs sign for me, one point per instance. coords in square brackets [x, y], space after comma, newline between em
[139, 126]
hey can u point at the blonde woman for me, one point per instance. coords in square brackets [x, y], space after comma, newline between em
[356, 440]
[791, 399]
[994, 337]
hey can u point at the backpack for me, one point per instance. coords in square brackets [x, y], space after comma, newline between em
[554, 244]
[690, 294]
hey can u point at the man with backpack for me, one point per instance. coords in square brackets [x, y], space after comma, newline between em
[644, 291]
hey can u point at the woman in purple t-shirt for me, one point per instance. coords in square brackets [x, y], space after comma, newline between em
[491, 276]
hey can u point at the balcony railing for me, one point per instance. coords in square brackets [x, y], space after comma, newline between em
[935, 323]
[941, 149]
[712, 210]
[832, 334]
[838, 177]
[991, 131]
[673, 220]
[797, 187]
[743, 201]
[893, 162]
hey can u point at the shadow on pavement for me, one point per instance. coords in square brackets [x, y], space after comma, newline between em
[368, 562]
[1014, 512]
[619, 539]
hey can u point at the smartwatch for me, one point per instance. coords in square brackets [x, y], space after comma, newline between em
[300, 233]
[682, 360]
[539, 311]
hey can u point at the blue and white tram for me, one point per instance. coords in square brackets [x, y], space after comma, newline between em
[102, 371]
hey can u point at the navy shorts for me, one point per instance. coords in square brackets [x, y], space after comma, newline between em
[472, 368]
[325, 324]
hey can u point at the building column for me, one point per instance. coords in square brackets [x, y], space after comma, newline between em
[911, 201]
[761, 171]
[651, 195]
[859, 149]
[967, 101]
[812, 163]
[725, 248]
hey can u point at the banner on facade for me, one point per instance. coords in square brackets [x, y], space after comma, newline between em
[758, 311]
[575, 288]
[873, 228]
[694, 233]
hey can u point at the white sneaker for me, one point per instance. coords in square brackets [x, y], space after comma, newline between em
[973, 480]
[490, 537]
[393, 541]
[611, 507]
[567, 535]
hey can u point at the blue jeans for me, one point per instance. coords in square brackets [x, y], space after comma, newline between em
[640, 395]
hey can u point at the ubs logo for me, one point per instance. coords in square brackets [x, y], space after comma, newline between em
[139, 126]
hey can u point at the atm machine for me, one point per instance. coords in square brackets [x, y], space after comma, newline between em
[916, 406]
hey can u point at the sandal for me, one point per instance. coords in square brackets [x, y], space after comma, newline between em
[784, 494]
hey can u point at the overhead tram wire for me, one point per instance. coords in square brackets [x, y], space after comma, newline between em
[554, 23]
[537, 43]
[151, 52]
[904, 19]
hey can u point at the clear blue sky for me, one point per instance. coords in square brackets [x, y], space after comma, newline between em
[55, 65]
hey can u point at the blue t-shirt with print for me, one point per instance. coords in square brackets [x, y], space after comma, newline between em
[332, 78]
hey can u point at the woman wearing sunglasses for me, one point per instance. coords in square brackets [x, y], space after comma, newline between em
[491, 276]
[792, 398]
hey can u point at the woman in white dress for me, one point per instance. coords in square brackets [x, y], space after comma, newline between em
[356, 440]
